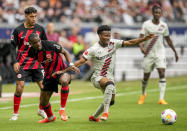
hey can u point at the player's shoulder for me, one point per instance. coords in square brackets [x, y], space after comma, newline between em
[147, 22]
[19, 27]
[39, 26]
[112, 40]
[163, 23]
[94, 47]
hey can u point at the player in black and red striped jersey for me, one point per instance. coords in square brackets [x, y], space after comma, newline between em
[24, 65]
[49, 54]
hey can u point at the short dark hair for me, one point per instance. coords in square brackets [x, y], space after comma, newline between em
[32, 36]
[156, 6]
[103, 28]
[30, 10]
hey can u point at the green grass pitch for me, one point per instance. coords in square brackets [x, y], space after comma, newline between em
[125, 115]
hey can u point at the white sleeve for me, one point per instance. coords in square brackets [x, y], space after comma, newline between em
[118, 43]
[143, 29]
[88, 54]
[166, 31]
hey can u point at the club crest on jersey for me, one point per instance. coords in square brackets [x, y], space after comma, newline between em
[86, 52]
[110, 46]
[48, 56]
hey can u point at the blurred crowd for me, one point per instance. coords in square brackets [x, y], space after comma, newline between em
[128, 12]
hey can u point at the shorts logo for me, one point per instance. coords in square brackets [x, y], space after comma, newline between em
[19, 76]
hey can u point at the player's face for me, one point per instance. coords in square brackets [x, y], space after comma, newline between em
[36, 43]
[31, 18]
[157, 14]
[105, 37]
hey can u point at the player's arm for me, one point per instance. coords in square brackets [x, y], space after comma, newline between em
[68, 58]
[14, 43]
[78, 63]
[170, 43]
[138, 40]
[142, 44]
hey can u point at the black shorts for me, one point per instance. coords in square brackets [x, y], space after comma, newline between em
[51, 84]
[36, 75]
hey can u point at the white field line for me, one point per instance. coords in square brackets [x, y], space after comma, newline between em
[97, 97]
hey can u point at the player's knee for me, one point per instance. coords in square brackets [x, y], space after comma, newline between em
[109, 83]
[112, 102]
[64, 83]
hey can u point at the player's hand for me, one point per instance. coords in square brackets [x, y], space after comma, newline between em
[149, 36]
[143, 51]
[176, 57]
[57, 73]
[16, 67]
[75, 69]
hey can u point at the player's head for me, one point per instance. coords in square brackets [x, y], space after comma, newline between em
[35, 41]
[104, 32]
[31, 15]
[157, 12]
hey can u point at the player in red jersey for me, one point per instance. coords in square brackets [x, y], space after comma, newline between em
[24, 65]
[49, 54]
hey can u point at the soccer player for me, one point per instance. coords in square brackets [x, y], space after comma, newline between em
[48, 53]
[154, 52]
[24, 65]
[102, 54]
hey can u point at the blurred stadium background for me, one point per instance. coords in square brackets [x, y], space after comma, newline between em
[73, 24]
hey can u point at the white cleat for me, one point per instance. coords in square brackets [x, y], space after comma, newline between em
[14, 117]
[42, 113]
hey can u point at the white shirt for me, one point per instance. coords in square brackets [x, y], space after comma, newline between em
[160, 31]
[103, 58]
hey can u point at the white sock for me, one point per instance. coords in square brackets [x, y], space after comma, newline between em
[62, 108]
[162, 86]
[108, 97]
[144, 85]
[50, 118]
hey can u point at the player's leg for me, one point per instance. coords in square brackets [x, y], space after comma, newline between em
[148, 65]
[44, 101]
[162, 85]
[64, 81]
[144, 86]
[37, 76]
[20, 81]
[161, 66]
[109, 91]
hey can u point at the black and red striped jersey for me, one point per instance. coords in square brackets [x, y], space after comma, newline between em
[50, 58]
[19, 39]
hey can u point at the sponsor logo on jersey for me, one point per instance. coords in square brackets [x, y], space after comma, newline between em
[106, 56]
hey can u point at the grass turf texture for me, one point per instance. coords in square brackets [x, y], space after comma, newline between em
[125, 115]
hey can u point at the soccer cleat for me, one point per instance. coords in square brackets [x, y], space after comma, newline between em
[163, 102]
[63, 115]
[42, 113]
[92, 118]
[14, 117]
[104, 116]
[46, 120]
[142, 98]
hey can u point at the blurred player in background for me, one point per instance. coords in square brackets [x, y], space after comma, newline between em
[24, 65]
[154, 52]
[102, 55]
[48, 53]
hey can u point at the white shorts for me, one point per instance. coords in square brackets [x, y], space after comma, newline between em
[95, 81]
[149, 63]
